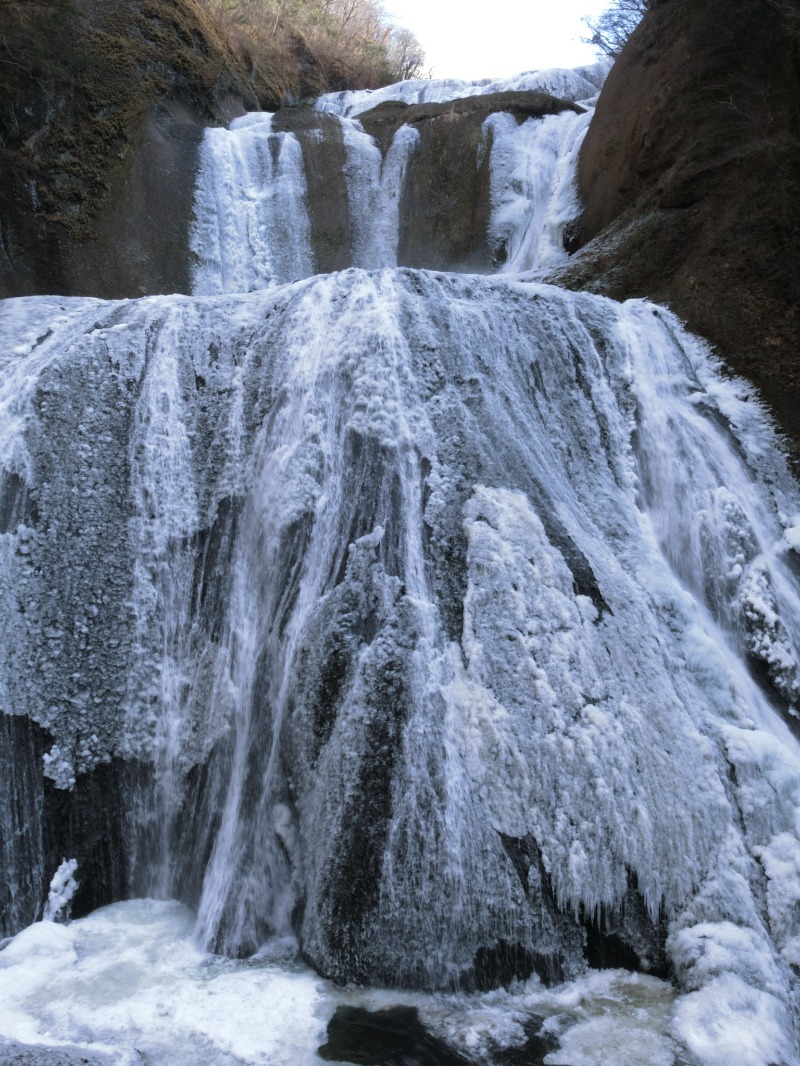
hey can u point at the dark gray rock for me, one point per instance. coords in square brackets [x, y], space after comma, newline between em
[444, 211]
[12, 1053]
[391, 1037]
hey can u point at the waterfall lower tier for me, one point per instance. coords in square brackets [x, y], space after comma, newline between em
[448, 622]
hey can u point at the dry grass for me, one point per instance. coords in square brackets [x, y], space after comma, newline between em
[298, 48]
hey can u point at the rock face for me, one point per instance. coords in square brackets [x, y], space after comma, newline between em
[444, 212]
[324, 161]
[445, 199]
[394, 1035]
[51, 822]
[690, 173]
[99, 165]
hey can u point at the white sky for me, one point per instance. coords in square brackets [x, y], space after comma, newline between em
[497, 38]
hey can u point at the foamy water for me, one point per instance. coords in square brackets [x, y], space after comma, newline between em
[128, 981]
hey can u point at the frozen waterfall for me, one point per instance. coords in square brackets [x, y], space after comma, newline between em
[253, 225]
[447, 623]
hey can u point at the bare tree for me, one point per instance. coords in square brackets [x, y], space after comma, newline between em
[405, 54]
[610, 30]
[353, 37]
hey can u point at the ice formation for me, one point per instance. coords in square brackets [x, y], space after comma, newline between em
[455, 618]
[576, 84]
[62, 888]
[252, 217]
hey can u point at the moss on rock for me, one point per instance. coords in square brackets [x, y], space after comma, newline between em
[77, 103]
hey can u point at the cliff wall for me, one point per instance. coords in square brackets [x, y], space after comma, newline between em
[102, 108]
[690, 174]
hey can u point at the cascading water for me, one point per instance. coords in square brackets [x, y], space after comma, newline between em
[579, 84]
[449, 623]
[533, 192]
[252, 225]
[374, 186]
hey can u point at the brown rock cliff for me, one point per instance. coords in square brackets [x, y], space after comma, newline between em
[98, 142]
[690, 175]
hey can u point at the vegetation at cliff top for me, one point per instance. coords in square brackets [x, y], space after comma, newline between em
[611, 29]
[348, 43]
[289, 49]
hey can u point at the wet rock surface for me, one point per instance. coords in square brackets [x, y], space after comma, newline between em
[391, 1037]
[395, 1036]
[324, 159]
[22, 744]
[444, 211]
[41, 825]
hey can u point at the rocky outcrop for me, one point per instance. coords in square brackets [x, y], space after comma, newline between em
[389, 1035]
[42, 825]
[98, 145]
[445, 201]
[444, 211]
[690, 173]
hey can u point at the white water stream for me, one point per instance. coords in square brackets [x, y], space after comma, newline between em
[127, 982]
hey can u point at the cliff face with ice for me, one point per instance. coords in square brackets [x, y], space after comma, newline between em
[690, 183]
[436, 185]
[100, 146]
[266, 211]
[446, 622]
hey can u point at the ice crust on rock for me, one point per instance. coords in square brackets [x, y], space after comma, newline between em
[575, 84]
[62, 888]
[397, 558]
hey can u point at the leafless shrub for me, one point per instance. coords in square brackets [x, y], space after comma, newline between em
[301, 45]
[610, 30]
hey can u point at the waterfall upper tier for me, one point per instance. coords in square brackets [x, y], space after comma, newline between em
[579, 84]
[479, 183]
